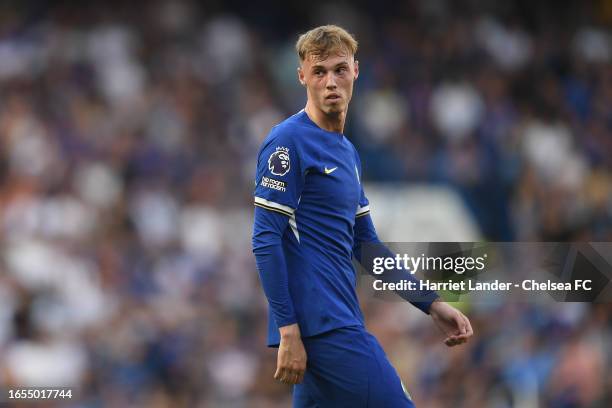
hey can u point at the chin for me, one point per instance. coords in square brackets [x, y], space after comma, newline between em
[334, 108]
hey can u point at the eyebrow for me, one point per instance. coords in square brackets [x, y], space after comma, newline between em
[335, 66]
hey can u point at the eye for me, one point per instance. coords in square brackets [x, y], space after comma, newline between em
[341, 70]
[318, 73]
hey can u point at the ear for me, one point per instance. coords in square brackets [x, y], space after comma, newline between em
[300, 72]
[356, 69]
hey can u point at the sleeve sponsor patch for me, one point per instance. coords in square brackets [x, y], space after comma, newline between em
[273, 184]
[279, 163]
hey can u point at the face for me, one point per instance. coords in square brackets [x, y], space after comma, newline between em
[329, 82]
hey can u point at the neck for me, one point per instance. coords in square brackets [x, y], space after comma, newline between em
[331, 122]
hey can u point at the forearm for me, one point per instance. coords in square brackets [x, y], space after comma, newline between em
[271, 265]
[368, 247]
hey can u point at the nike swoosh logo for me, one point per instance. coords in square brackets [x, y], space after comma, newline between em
[329, 171]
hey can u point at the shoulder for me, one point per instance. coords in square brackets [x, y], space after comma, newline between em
[288, 133]
[355, 152]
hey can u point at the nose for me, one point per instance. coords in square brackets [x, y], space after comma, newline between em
[331, 81]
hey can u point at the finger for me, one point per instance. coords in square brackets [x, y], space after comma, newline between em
[455, 340]
[460, 339]
[460, 323]
[450, 342]
[468, 325]
[296, 377]
[281, 374]
[288, 377]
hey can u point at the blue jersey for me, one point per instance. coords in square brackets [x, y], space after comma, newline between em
[308, 198]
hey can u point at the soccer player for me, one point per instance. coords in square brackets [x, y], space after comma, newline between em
[311, 218]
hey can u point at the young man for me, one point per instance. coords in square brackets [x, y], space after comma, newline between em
[311, 218]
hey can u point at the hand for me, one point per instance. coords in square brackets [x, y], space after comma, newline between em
[291, 361]
[454, 324]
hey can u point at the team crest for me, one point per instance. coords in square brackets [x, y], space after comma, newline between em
[279, 163]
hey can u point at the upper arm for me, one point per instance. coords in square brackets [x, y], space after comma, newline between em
[363, 207]
[279, 179]
[363, 230]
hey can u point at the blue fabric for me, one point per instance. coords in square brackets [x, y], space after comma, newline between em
[270, 259]
[311, 175]
[308, 196]
[347, 367]
[365, 234]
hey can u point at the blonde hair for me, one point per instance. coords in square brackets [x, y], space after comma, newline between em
[321, 41]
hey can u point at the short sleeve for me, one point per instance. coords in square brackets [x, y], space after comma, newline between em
[279, 179]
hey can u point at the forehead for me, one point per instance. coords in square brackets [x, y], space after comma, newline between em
[334, 58]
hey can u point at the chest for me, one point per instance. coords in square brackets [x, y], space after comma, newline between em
[332, 179]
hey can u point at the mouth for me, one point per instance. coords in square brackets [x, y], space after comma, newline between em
[333, 97]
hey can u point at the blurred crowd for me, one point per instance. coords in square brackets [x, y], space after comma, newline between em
[128, 140]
